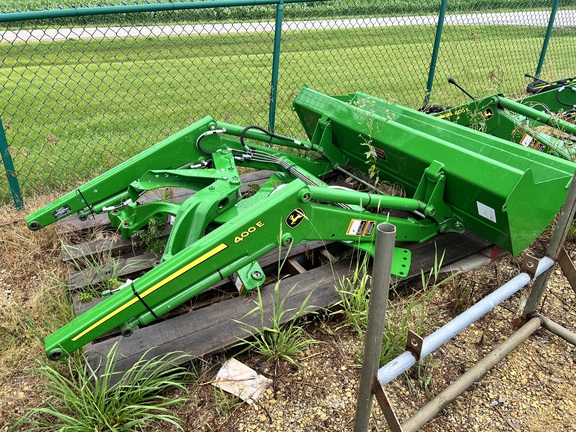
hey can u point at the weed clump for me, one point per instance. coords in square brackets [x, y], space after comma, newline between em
[81, 400]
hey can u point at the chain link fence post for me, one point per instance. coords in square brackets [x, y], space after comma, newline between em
[547, 37]
[275, 65]
[436, 50]
[9, 167]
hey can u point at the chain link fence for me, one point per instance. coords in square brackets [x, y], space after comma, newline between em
[82, 93]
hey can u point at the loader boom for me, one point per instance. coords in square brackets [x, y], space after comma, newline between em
[543, 121]
[455, 179]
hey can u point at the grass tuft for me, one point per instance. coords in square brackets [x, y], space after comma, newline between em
[80, 400]
[411, 312]
[354, 298]
[273, 339]
[404, 312]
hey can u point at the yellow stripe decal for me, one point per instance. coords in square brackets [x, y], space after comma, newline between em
[153, 288]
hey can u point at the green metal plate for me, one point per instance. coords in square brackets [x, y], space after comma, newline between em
[502, 191]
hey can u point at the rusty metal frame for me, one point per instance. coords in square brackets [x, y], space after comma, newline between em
[529, 265]
[532, 322]
[387, 410]
[414, 344]
[567, 267]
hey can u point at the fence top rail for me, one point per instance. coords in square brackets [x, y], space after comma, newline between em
[156, 7]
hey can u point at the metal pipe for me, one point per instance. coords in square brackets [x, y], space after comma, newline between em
[156, 7]
[557, 329]
[333, 195]
[431, 343]
[534, 114]
[275, 65]
[428, 411]
[547, 37]
[558, 238]
[435, 51]
[359, 180]
[10, 171]
[255, 134]
[382, 267]
[371, 186]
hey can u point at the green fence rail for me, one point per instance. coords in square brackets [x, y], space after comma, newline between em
[85, 88]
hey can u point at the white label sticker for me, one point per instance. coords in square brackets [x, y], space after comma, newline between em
[369, 228]
[356, 227]
[485, 211]
[237, 282]
[360, 227]
[62, 211]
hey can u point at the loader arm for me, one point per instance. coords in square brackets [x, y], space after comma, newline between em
[455, 178]
[541, 121]
[285, 217]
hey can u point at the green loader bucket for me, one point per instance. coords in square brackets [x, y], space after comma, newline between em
[504, 192]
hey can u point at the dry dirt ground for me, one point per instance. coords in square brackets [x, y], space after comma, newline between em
[533, 389]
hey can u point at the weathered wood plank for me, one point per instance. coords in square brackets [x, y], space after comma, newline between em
[449, 247]
[75, 226]
[212, 329]
[108, 246]
[209, 330]
[295, 266]
[124, 267]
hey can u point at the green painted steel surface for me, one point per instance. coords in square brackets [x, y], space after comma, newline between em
[540, 121]
[455, 178]
[216, 233]
[111, 187]
[501, 191]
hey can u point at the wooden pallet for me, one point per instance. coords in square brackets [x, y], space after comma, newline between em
[211, 322]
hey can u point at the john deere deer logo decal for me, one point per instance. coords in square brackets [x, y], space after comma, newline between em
[295, 217]
[488, 114]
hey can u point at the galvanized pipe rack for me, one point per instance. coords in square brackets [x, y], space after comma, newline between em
[417, 348]
[434, 341]
[421, 417]
[385, 239]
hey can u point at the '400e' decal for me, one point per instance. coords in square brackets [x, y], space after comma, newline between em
[248, 231]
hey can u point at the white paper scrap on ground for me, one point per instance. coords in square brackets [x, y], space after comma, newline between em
[240, 380]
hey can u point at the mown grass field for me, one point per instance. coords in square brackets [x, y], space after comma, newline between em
[79, 107]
